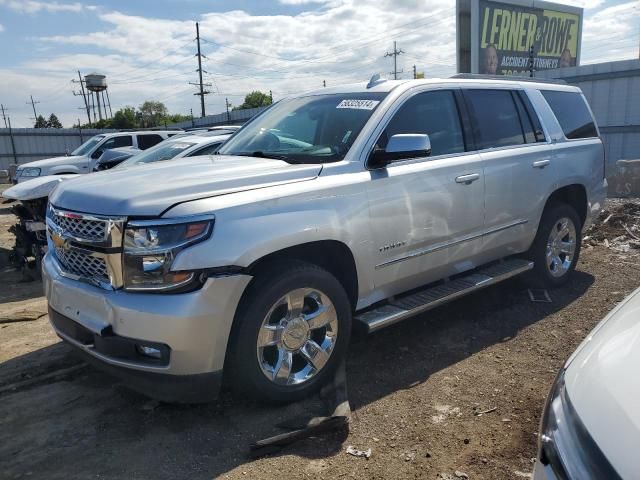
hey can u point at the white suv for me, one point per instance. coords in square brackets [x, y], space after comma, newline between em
[368, 204]
[83, 158]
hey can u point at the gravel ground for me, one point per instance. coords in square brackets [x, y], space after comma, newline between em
[418, 390]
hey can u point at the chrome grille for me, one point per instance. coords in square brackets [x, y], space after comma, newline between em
[87, 247]
[85, 229]
[83, 265]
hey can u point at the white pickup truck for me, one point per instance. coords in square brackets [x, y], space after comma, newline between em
[83, 158]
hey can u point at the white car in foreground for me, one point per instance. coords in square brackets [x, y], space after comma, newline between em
[591, 422]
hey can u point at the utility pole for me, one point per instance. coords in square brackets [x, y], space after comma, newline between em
[415, 74]
[271, 96]
[84, 96]
[33, 105]
[193, 124]
[531, 52]
[4, 117]
[13, 144]
[226, 101]
[395, 54]
[324, 83]
[202, 91]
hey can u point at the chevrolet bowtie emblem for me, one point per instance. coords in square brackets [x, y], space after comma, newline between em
[60, 242]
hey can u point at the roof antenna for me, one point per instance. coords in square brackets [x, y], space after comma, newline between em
[375, 80]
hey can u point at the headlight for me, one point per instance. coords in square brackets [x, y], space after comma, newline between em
[29, 172]
[566, 447]
[150, 246]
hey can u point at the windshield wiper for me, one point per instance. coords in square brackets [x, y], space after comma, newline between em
[261, 154]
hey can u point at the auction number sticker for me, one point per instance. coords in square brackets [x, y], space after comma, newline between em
[359, 104]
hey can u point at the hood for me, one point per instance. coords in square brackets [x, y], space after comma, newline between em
[602, 382]
[150, 189]
[38, 187]
[52, 162]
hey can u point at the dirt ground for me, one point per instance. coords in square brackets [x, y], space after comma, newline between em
[417, 390]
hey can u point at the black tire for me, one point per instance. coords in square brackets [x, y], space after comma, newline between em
[244, 372]
[541, 276]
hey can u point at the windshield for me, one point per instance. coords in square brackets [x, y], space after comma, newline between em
[158, 153]
[87, 146]
[312, 129]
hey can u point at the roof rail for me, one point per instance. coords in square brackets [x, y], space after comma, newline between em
[150, 129]
[477, 76]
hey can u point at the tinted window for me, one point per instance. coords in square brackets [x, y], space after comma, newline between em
[496, 120]
[117, 142]
[572, 113]
[433, 113]
[147, 141]
[533, 116]
[525, 120]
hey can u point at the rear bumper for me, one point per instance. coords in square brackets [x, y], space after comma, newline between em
[597, 197]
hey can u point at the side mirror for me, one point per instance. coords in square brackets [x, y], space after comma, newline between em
[401, 146]
[95, 155]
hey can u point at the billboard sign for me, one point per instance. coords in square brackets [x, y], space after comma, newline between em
[505, 37]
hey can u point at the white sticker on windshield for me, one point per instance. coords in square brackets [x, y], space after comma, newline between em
[359, 104]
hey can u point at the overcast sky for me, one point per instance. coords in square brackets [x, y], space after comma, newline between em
[146, 47]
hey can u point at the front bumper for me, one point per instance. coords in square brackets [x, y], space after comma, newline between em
[193, 326]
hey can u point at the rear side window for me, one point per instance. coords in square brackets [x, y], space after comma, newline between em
[572, 113]
[495, 117]
[433, 113]
[208, 150]
[148, 140]
[117, 142]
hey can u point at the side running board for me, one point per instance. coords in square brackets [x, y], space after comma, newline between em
[411, 304]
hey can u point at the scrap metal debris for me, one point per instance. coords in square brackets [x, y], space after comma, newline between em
[351, 450]
[480, 413]
[336, 402]
[617, 228]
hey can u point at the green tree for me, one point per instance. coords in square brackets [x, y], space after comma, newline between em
[177, 118]
[124, 118]
[255, 99]
[40, 122]
[153, 113]
[53, 121]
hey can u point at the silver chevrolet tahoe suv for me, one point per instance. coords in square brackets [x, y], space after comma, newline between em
[362, 204]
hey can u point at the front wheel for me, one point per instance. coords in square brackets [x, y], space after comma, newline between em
[292, 330]
[556, 248]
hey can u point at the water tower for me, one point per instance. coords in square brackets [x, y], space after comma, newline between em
[97, 86]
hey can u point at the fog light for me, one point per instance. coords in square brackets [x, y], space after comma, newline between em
[148, 351]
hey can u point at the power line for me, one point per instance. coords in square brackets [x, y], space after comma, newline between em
[171, 52]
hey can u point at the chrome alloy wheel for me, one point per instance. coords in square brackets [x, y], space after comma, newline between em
[561, 247]
[297, 336]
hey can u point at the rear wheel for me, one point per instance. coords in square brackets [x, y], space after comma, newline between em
[292, 331]
[556, 248]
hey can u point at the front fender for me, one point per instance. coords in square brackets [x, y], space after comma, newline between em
[244, 234]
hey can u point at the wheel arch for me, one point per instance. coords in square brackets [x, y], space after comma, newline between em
[574, 195]
[333, 256]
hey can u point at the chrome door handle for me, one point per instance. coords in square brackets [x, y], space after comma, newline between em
[467, 179]
[541, 163]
